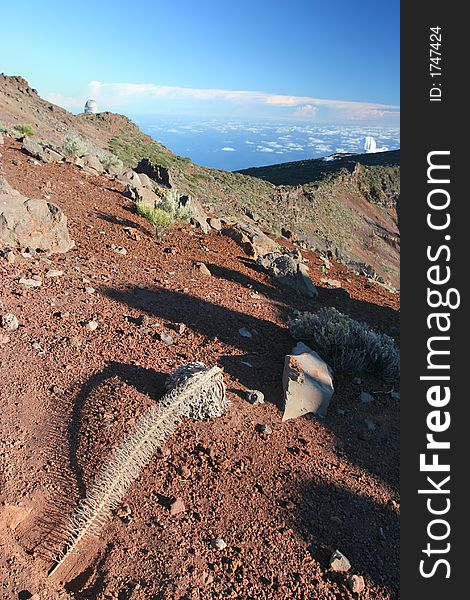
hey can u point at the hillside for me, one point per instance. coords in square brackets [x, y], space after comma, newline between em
[282, 500]
[349, 214]
[316, 169]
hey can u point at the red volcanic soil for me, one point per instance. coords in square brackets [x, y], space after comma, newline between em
[281, 502]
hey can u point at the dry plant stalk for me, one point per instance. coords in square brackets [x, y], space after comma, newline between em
[196, 392]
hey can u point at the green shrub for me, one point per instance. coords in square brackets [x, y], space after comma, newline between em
[157, 217]
[171, 204]
[348, 345]
[74, 145]
[111, 161]
[25, 129]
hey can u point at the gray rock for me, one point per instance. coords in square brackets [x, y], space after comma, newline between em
[215, 223]
[203, 269]
[177, 507]
[166, 338]
[255, 397]
[157, 173]
[251, 239]
[36, 224]
[265, 429]
[91, 164]
[356, 584]
[289, 272]
[31, 283]
[40, 152]
[339, 562]
[10, 322]
[54, 273]
[91, 325]
[89, 290]
[198, 215]
[131, 178]
[395, 395]
[307, 382]
[118, 249]
[139, 193]
[244, 332]
[218, 544]
[365, 397]
[16, 161]
[331, 282]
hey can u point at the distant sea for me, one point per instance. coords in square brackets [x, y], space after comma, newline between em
[232, 144]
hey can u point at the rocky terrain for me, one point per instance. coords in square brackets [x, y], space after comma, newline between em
[320, 210]
[245, 505]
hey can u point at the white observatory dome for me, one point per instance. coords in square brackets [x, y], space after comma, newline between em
[91, 106]
[370, 145]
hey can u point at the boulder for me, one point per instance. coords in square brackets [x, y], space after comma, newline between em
[289, 272]
[198, 214]
[157, 173]
[91, 164]
[43, 153]
[130, 178]
[31, 223]
[142, 194]
[307, 383]
[251, 239]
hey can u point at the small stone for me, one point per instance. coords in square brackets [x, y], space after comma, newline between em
[10, 322]
[255, 397]
[166, 338]
[89, 289]
[331, 282]
[395, 395]
[365, 397]
[177, 507]
[184, 471]
[119, 249]
[336, 519]
[16, 161]
[54, 273]
[31, 283]
[339, 562]
[33, 161]
[36, 346]
[202, 268]
[357, 381]
[218, 544]
[124, 511]
[62, 314]
[265, 429]
[371, 425]
[179, 328]
[91, 325]
[75, 342]
[243, 331]
[10, 257]
[356, 584]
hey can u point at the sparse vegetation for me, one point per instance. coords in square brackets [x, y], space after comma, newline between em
[157, 217]
[3, 129]
[75, 145]
[168, 213]
[111, 161]
[348, 345]
[25, 129]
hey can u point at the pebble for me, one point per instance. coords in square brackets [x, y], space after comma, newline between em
[166, 338]
[395, 395]
[31, 283]
[255, 397]
[331, 282]
[202, 268]
[10, 257]
[119, 249]
[339, 562]
[180, 328]
[356, 584]
[365, 397]
[218, 544]
[36, 346]
[243, 331]
[91, 325]
[184, 471]
[177, 507]
[10, 322]
[89, 290]
[357, 381]
[16, 161]
[54, 273]
[33, 161]
[371, 425]
[265, 429]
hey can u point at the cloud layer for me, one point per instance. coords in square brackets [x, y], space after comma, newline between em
[147, 97]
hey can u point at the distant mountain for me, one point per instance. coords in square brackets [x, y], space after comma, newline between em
[308, 171]
[344, 206]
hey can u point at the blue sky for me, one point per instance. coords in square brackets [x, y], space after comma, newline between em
[304, 59]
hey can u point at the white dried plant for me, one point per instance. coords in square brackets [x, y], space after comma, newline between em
[194, 391]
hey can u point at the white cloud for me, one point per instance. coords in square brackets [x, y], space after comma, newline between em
[228, 149]
[306, 107]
